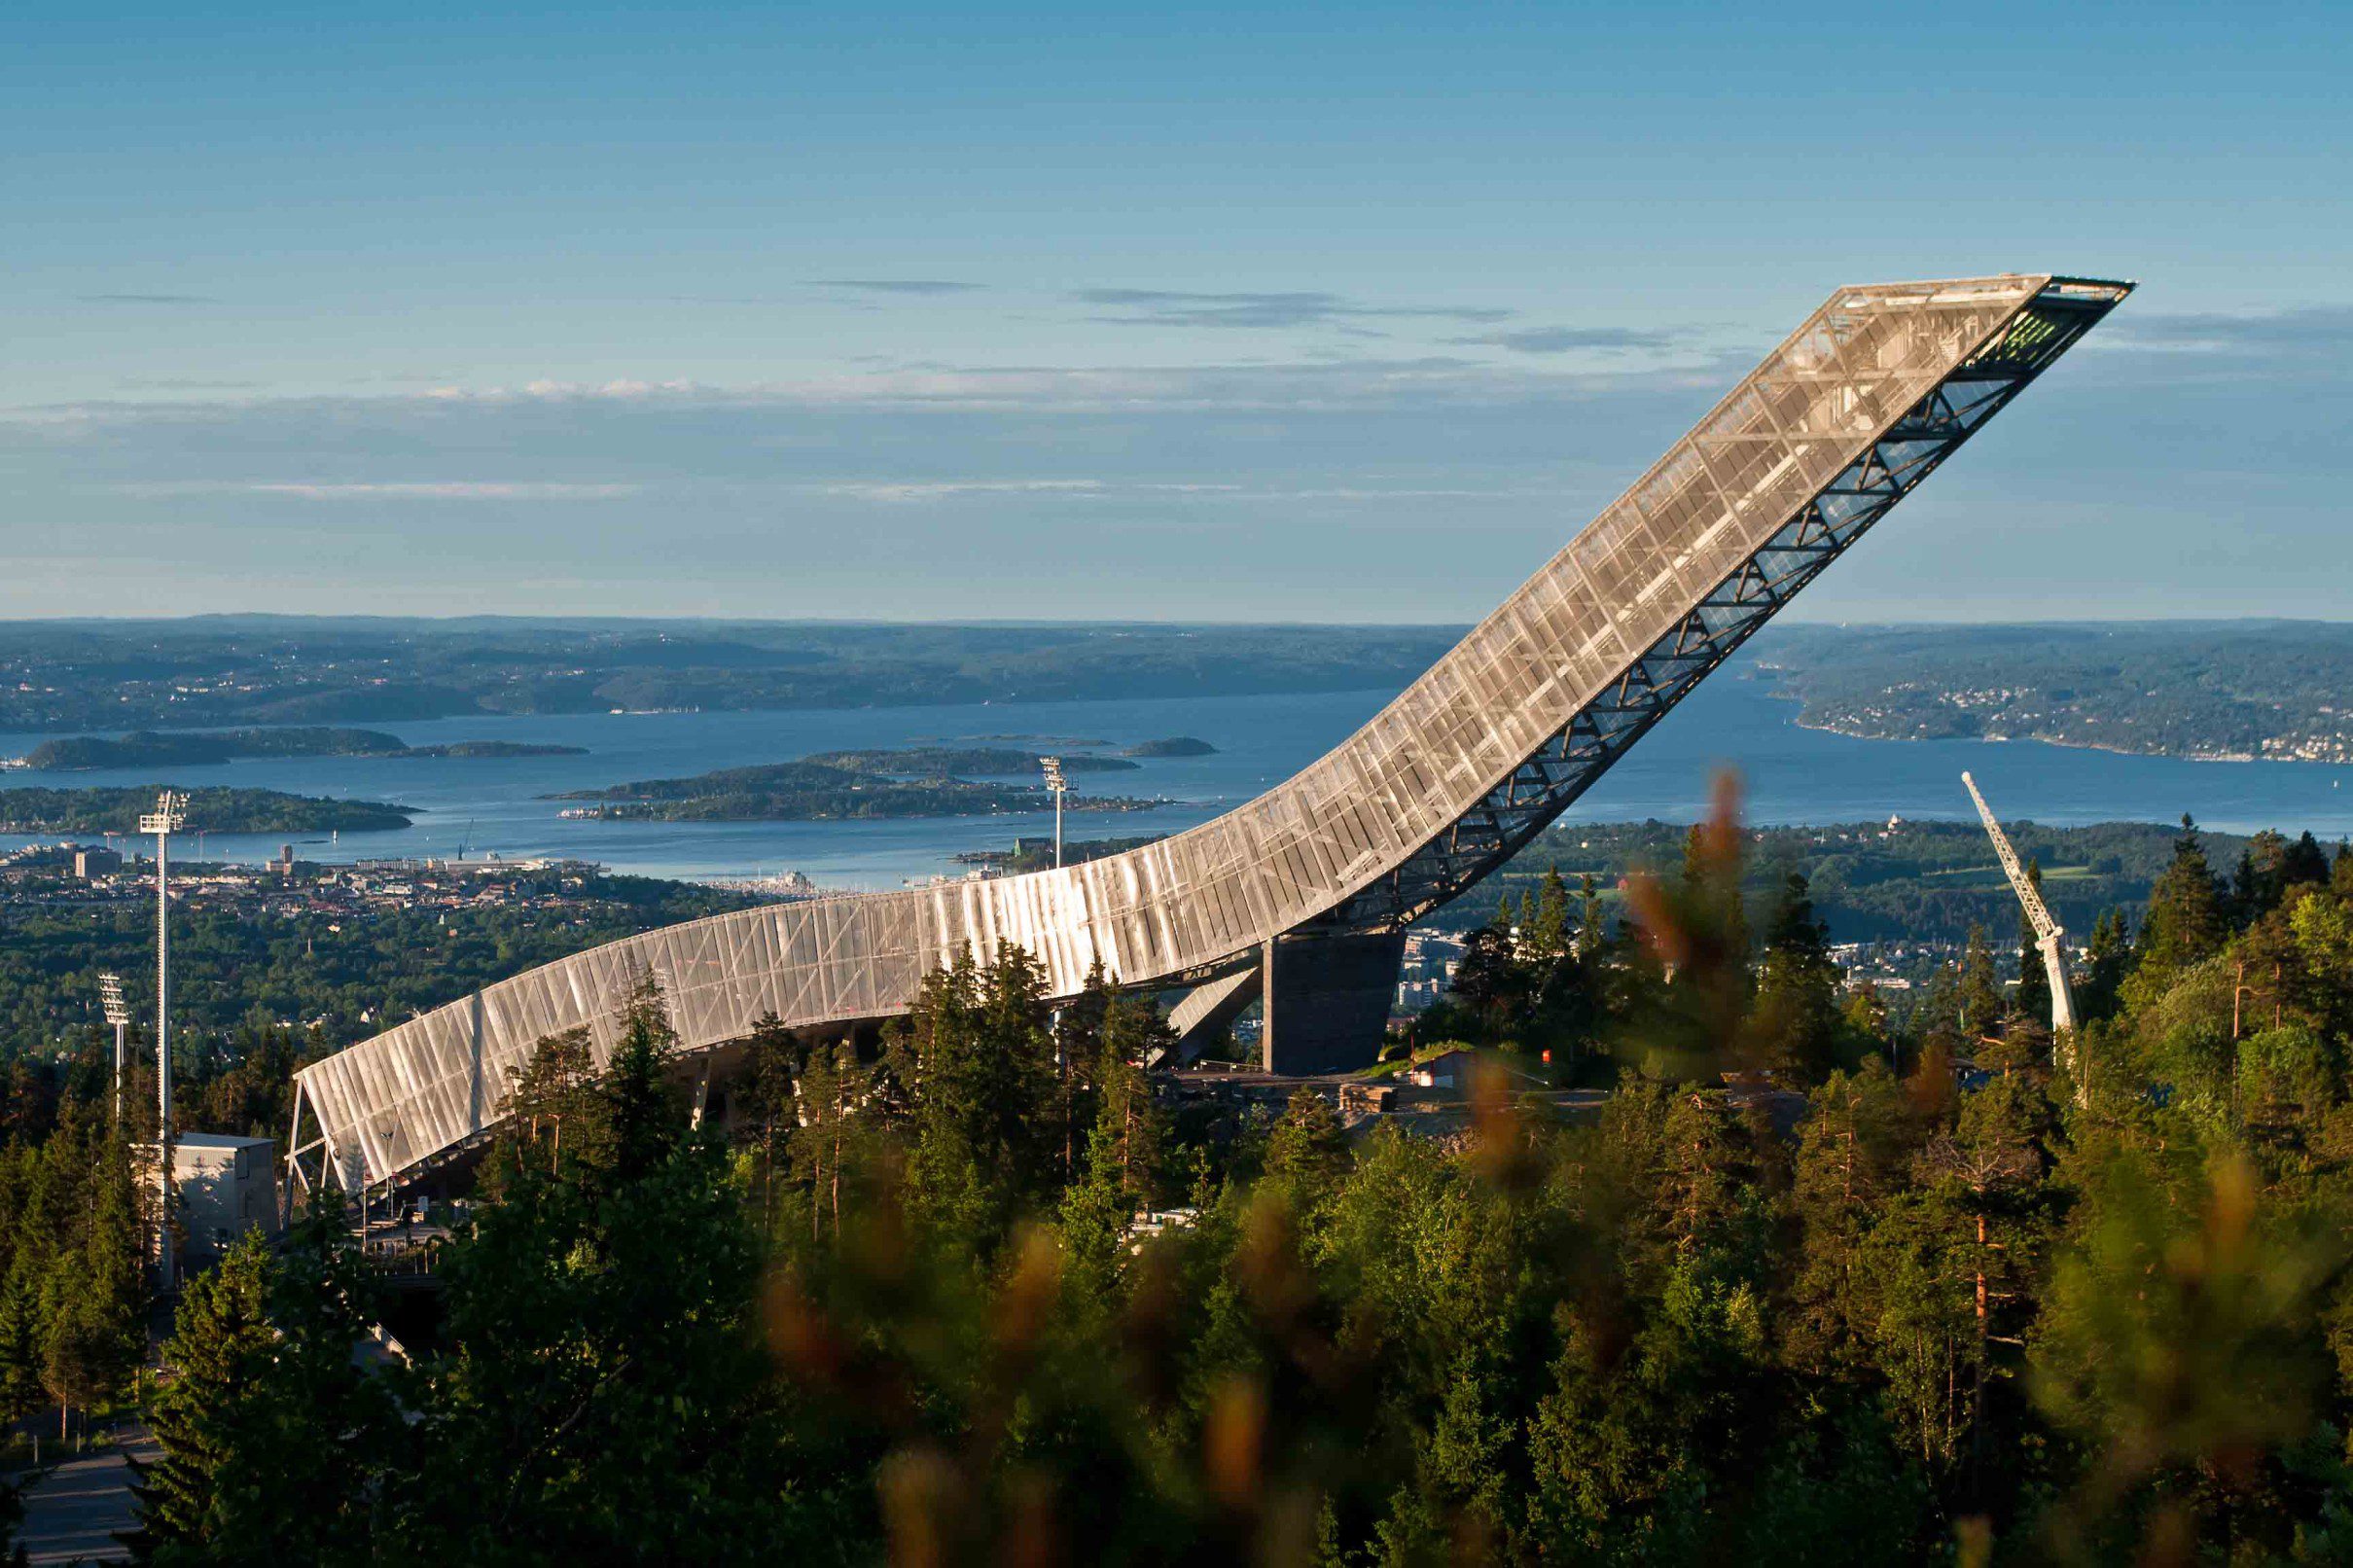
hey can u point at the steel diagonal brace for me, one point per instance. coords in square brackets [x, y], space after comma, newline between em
[1510, 817]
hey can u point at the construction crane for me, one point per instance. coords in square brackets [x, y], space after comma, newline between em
[2048, 937]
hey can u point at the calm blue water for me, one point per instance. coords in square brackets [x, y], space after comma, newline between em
[1793, 776]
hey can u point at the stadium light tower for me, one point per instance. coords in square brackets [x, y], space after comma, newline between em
[1056, 783]
[168, 817]
[117, 1014]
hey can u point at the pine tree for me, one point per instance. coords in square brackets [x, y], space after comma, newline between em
[550, 1092]
[275, 1443]
[1593, 929]
[1980, 998]
[1547, 938]
[2185, 920]
[1796, 1017]
[765, 1102]
[1307, 1151]
[829, 1141]
[2110, 960]
[976, 1062]
[1124, 1152]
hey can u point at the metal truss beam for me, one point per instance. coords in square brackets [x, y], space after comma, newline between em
[1534, 795]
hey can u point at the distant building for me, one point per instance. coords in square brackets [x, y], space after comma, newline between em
[226, 1186]
[91, 863]
[1450, 1071]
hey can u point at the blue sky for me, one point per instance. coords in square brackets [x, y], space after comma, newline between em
[1344, 313]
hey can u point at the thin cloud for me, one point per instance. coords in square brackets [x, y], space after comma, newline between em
[147, 299]
[1568, 339]
[2306, 329]
[1295, 385]
[896, 285]
[943, 489]
[897, 491]
[393, 490]
[1176, 308]
[171, 383]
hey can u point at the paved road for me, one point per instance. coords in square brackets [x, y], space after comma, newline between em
[73, 1514]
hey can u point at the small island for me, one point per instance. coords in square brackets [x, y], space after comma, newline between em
[209, 810]
[1172, 746]
[490, 748]
[153, 748]
[817, 791]
[945, 762]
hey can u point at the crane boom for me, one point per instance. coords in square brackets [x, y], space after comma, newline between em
[2044, 924]
[2048, 937]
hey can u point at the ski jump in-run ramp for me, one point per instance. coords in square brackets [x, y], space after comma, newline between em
[1301, 898]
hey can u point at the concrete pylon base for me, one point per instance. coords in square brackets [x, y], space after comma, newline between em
[1327, 1001]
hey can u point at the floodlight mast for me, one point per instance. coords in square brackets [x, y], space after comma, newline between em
[117, 1014]
[168, 817]
[1056, 783]
[2048, 937]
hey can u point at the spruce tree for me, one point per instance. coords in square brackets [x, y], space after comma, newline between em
[277, 1444]
[2185, 920]
[1980, 998]
[1796, 1017]
[1307, 1153]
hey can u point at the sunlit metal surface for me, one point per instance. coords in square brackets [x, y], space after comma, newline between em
[1447, 782]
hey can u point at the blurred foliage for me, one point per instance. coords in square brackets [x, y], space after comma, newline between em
[1800, 1288]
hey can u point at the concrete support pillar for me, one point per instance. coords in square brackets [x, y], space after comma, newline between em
[1327, 1001]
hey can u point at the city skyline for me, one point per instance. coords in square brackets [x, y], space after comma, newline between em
[1055, 316]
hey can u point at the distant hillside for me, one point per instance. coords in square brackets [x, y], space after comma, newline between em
[2236, 690]
[284, 669]
[147, 748]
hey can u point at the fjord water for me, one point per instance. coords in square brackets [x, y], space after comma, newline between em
[1792, 775]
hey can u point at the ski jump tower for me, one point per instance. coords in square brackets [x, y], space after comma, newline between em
[1301, 898]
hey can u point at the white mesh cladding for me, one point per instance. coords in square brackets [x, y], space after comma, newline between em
[1807, 413]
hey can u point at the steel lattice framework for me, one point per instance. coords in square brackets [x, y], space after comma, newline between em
[1463, 769]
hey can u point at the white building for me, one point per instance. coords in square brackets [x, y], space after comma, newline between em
[226, 1186]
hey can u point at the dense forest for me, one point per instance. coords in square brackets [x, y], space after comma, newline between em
[294, 669]
[110, 808]
[1806, 1287]
[1923, 881]
[2175, 689]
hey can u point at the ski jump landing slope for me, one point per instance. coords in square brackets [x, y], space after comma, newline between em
[1837, 424]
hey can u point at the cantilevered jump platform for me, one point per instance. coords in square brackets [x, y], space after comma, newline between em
[1302, 896]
